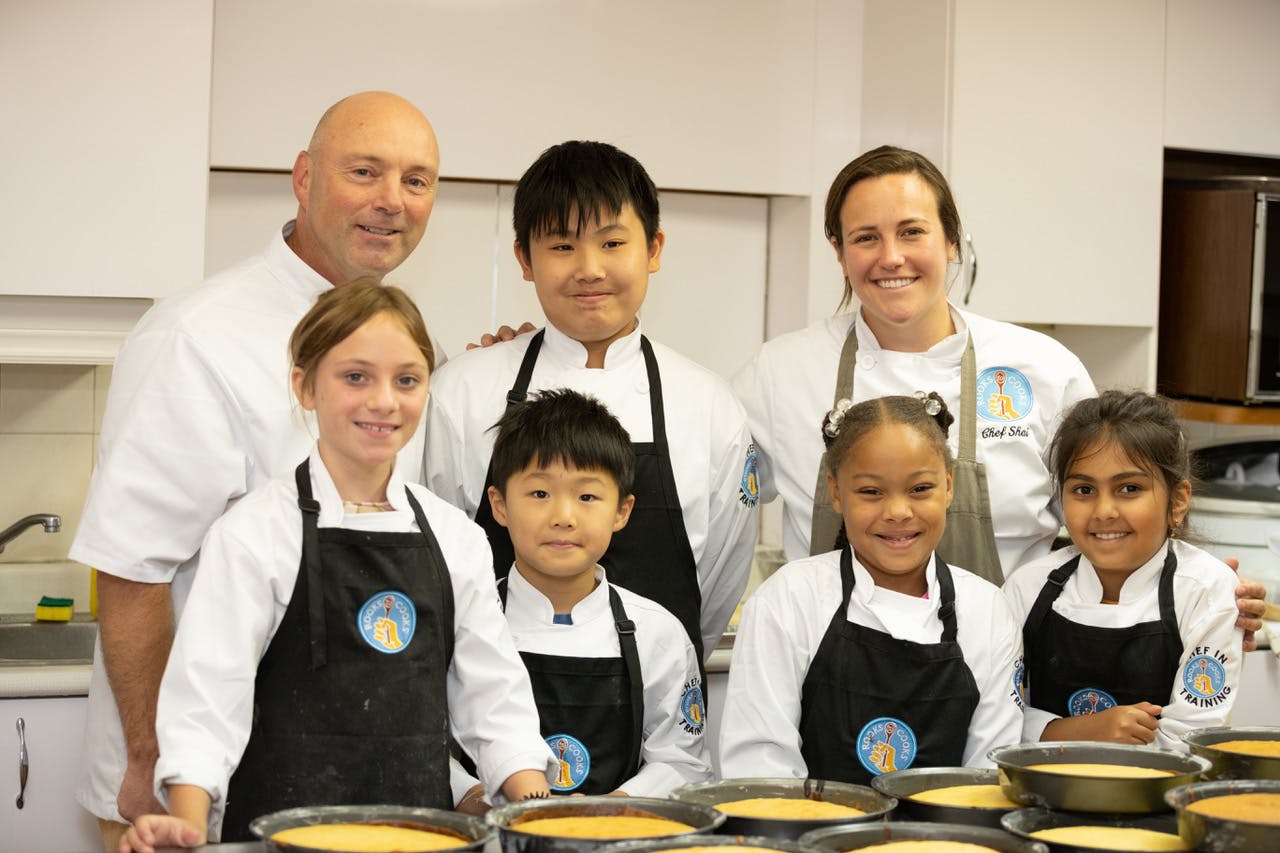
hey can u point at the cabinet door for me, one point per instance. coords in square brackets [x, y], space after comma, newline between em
[1055, 157]
[50, 821]
[1223, 88]
[106, 141]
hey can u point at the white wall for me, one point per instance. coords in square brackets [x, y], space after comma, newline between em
[712, 95]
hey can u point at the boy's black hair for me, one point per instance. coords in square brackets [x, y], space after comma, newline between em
[561, 425]
[583, 178]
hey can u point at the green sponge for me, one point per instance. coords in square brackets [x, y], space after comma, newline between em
[54, 609]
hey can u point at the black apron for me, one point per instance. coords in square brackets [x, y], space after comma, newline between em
[591, 710]
[969, 540]
[872, 703]
[1074, 669]
[340, 716]
[651, 555]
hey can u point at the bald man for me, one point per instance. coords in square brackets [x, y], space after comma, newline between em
[200, 412]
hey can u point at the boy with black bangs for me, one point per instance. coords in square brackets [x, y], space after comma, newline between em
[587, 236]
[614, 677]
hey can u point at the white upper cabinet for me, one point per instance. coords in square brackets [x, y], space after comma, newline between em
[105, 145]
[713, 95]
[1222, 92]
[1047, 120]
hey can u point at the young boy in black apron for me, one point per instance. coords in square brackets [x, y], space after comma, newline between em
[586, 219]
[614, 676]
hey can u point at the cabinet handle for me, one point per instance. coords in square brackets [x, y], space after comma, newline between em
[22, 762]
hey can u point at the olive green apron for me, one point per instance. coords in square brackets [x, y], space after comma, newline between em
[969, 540]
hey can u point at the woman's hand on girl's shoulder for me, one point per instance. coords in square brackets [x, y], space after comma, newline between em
[1251, 601]
[160, 830]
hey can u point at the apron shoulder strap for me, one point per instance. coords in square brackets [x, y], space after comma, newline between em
[657, 413]
[946, 600]
[635, 678]
[1048, 595]
[311, 563]
[1168, 613]
[442, 574]
[825, 524]
[523, 376]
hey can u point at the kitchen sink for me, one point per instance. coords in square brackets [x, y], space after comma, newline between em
[29, 643]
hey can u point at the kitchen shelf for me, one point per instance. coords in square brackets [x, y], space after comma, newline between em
[1226, 413]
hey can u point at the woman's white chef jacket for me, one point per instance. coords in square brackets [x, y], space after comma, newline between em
[671, 753]
[205, 709]
[1204, 599]
[199, 413]
[789, 386]
[784, 621]
[706, 431]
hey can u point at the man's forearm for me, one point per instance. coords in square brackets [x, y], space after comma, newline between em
[135, 621]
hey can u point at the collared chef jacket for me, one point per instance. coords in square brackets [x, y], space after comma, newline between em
[706, 431]
[1204, 600]
[788, 387]
[205, 709]
[784, 621]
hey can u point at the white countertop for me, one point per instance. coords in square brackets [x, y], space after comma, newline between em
[26, 681]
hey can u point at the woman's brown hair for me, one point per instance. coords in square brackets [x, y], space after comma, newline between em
[876, 163]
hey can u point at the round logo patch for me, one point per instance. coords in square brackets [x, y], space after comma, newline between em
[1089, 700]
[693, 712]
[387, 621]
[1203, 677]
[886, 744]
[1020, 683]
[574, 761]
[749, 488]
[1004, 395]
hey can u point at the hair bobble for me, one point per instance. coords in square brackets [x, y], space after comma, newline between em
[832, 427]
[932, 405]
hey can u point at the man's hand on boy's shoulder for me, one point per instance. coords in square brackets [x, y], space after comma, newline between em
[504, 333]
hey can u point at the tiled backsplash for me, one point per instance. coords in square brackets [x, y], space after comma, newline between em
[50, 416]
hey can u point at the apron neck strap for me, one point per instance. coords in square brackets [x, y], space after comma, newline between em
[946, 592]
[968, 402]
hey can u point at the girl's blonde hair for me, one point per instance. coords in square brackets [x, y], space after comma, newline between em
[343, 309]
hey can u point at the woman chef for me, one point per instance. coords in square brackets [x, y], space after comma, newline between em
[893, 223]
[345, 623]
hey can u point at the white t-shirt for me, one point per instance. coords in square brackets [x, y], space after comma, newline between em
[789, 387]
[706, 432]
[205, 710]
[783, 624]
[673, 749]
[1204, 600]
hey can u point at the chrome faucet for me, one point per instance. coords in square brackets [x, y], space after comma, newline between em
[52, 524]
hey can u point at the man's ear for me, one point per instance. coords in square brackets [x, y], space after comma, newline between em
[302, 178]
[522, 258]
[498, 505]
[624, 512]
